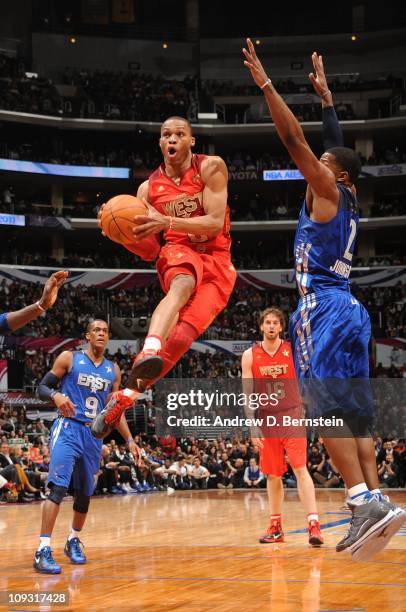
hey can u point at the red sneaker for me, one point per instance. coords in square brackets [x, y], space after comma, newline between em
[109, 417]
[315, 537]
[273, 534]
[147, 366]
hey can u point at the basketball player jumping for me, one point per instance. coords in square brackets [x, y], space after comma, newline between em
[330, 330]
[11, 321]
[187, 201]
[85, 379]
[271, 362]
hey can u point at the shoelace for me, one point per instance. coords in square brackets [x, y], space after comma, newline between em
[76, 545]
[47, 553]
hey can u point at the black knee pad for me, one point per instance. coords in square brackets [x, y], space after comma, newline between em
[81, 502]
[57, 494]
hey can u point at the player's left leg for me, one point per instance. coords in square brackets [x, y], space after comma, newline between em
[296, 450]
[83, 484]
[148, 363]
[217, 279]
[64, 450]
[74, 547]
[272, 463]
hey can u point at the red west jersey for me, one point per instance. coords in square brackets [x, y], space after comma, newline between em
[276, 374]
[184, 198]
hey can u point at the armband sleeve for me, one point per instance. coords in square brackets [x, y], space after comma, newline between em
[48, 387]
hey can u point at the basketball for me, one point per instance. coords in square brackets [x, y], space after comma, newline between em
[117, 219]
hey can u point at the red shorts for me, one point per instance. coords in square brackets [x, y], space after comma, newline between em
[272, 456]
[215, 277]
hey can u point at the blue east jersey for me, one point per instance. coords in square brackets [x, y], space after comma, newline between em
[75, 452]
[330, 329]
[88, 385]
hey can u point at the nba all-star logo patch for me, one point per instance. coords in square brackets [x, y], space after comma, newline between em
[196, 178]
[285, 352]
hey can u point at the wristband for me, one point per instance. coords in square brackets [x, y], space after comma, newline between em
[129, 440]
[325, 93]
[170, 223]
[40, 307]
[267, 82]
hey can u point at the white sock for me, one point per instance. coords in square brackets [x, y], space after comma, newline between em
[375, 491]
[152, 343]
[44, 540]
[313, 517]
[74, 533]
[359, 494]
[131, 393]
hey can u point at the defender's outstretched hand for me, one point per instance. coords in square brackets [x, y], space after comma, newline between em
[252, 62]
[51, 288]
[318, 77]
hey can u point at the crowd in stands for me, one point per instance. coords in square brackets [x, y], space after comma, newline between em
[350, 82]
[281, 206]
[130, 95]
[167, 463]
[134, 96]
[118, 95]
[78, 303]
[257, 258]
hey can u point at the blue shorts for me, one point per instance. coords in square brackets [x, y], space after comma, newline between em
[330, 333]
[75, 456]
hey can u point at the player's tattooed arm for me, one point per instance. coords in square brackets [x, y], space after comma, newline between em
[62, 366]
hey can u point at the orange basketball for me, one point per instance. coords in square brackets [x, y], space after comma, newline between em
[117, 218]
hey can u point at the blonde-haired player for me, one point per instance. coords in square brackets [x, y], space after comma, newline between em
[268, 365]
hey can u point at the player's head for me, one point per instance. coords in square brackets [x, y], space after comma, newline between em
[176, 140]
[272, 323]
[344, 163]
[97, 334]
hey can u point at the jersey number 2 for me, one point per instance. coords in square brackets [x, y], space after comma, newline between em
[91, 407]
[353, 231]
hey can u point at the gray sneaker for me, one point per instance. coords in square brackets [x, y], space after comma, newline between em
[381, 537]
[369, 522]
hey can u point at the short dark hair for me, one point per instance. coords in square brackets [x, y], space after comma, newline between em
[178, 118]
[90, 323]
[272, 311]
[348, 160]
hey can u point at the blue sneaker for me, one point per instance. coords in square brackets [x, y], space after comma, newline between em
[117, 491]
[146, 487]
[45, 563]
[73, 550]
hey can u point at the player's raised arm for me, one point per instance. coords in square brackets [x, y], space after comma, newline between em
[320, 178]
[48, 387]
[332, 132]
[14, 320]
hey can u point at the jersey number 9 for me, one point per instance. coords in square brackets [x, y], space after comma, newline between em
[91, 407]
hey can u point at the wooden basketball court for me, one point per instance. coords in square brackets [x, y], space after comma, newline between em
[199, 551]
